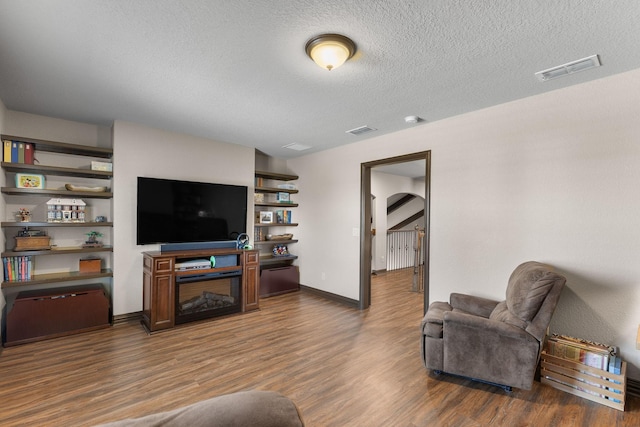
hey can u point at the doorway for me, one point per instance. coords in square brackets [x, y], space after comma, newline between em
[366, 216]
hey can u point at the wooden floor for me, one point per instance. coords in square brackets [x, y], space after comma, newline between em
[342, 367]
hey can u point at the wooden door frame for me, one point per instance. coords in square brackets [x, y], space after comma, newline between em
[365, 222]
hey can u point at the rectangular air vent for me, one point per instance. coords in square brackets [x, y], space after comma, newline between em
[568, 68]
[296, 146]
[360, 130]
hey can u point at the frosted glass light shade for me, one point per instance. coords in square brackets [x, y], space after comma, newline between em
[330, 51]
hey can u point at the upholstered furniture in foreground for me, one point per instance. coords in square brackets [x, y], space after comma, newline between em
[492, 341]
[242, 409]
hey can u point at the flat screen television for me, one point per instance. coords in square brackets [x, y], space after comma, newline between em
[171, 211]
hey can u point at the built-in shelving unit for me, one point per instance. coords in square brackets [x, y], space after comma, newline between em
[76, 155]
[278, 274]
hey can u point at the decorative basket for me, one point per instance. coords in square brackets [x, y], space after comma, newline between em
[287, 236]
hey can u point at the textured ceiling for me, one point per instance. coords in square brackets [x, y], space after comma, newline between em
[236, 71]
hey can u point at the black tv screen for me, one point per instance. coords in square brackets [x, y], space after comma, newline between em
[171, 211]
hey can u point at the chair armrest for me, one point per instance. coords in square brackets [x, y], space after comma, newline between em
[472, 304]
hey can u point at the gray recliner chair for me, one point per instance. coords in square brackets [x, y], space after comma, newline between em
[492, 341]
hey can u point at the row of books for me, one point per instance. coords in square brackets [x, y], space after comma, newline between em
[579, 350]
[17, 268]
[18, 152]
[283, 216]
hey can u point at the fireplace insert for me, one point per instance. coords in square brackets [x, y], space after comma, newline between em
[207, 295]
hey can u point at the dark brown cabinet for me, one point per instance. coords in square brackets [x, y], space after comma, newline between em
[164, 275]
[251, 280]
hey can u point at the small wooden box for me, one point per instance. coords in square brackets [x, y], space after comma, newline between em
[33, 243]
[90, 265]
[594, 384]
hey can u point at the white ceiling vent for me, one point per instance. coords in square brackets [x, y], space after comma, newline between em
[360, 130]
[568, 68]
[296, 146]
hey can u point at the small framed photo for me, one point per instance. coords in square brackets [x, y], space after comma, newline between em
[283, 197]
[266, 217]
[28, 180]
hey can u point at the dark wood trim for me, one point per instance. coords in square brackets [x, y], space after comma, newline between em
[127, 317]
[330, 296]
[276, 176]
[398, 204]
[365, 219]
[633, 387]
[408, 221]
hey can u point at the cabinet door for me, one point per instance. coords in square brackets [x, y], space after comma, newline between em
[251, 281]
[158, 294]
[162, 314]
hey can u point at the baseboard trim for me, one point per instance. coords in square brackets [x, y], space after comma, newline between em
[633, 387]
[330, 296]
[127, 317]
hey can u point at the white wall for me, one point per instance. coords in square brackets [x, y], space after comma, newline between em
[384, 185]
[552, 178]
[143, 151]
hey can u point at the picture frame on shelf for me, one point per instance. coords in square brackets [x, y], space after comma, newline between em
[283, 197]
[266, 217]
[29, 180]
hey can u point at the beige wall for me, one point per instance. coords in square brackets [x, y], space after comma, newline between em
[552, 178]
[143, 151]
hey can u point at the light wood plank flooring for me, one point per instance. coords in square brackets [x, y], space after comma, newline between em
[342, 367]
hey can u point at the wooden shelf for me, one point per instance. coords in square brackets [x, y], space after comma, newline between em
[276, 204]
[62, 147]
[55, 224]
[60, 251]
[271, 260]
[277, 224]
[273, 190]
[43, 279]
[13, 191]
[275, 175]
[195, 272]
[274, 242]
[55, 170]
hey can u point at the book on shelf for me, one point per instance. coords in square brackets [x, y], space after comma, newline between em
[283, 216]
[582, 351]
[20, 152]
[615, 367]
[258, 234]
[6, 154]
[17, 268]
[29, 152]
[14, 152]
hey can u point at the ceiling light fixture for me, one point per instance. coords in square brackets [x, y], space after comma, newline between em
[330, 50]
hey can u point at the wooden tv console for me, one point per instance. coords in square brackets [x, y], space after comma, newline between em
[159, 282]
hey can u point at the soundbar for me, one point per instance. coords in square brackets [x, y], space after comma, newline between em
[172, 247]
